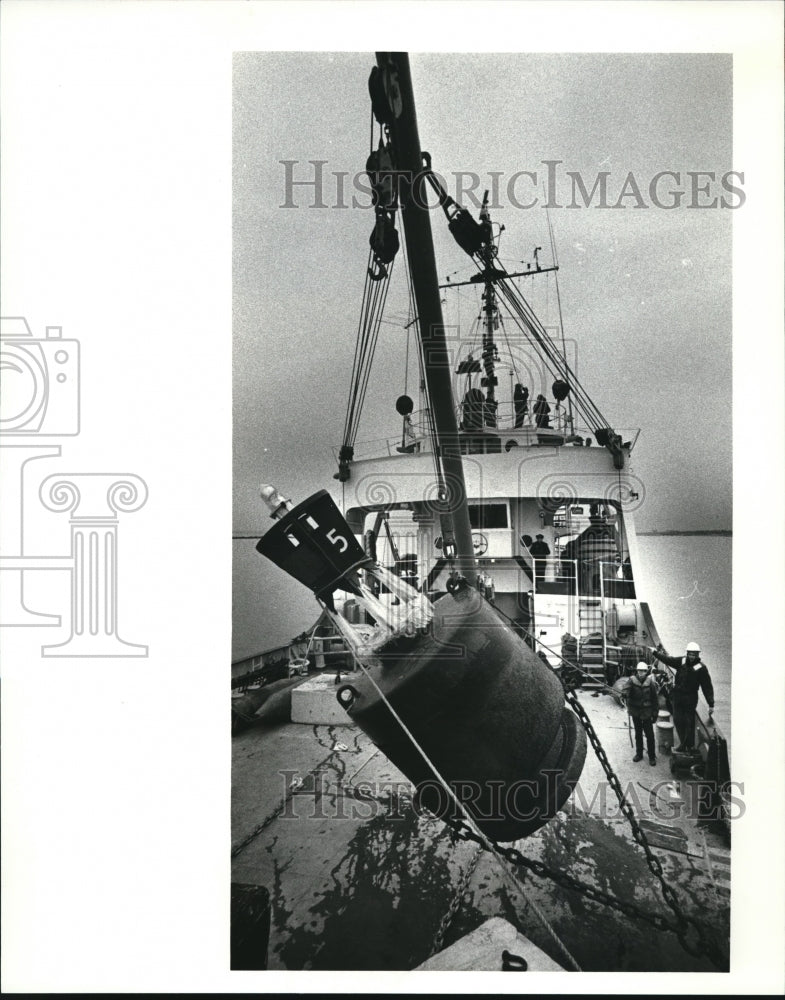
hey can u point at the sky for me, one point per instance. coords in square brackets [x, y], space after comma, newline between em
[645, 290]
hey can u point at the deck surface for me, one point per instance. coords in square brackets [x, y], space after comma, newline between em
[359, 881]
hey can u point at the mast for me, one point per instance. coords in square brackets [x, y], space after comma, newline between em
[437, 365]
[490, 381]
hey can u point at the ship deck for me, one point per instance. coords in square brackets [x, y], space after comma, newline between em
[358, 880]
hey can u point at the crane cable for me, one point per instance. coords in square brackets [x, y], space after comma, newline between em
[369, 324]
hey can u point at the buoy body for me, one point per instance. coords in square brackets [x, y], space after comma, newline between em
[486, 711]
[483, 708]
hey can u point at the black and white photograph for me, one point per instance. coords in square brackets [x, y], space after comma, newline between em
[392, 421]
[482, 319]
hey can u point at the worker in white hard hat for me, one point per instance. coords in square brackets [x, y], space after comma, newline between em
[643, 704]
[690, 674]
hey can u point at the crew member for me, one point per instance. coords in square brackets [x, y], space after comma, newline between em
[486, 586]
[690, 674]
[520, 398]
[473, 410]
[409, 442]
[643, 705]
[541, 411]
[540, 550]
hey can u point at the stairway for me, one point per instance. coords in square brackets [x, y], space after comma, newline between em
[591, 652]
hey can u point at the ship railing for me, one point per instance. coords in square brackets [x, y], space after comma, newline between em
[417, 438]
[554, 576]
[579, 577]
[414, 439]
[505, 422]
[598, 583]
[614, 583]
[506, 417]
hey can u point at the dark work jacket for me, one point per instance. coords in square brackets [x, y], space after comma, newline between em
[688, 680]
[642, 699]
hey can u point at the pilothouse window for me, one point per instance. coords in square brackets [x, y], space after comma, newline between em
[489, 515]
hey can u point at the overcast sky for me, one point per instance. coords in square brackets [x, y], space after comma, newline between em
[646, 291]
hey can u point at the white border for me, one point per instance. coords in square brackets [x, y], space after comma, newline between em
[115, 781]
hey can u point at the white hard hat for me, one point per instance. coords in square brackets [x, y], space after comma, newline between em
[642, 666]
[693, 647]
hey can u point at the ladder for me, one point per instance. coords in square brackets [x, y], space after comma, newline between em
[591, 641]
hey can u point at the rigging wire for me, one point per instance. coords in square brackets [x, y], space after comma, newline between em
[509, 348]
[350, 409]
[523, 315]
[369, 324]
[411, 319]
[406, 364]
[558, 303]
[380, 299]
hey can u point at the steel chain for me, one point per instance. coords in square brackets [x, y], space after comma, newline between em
[462, 831]
[515, 858]
[455, 903]
[703, 946]
[682, 924]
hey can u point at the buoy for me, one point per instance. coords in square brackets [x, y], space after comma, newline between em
[482, 707]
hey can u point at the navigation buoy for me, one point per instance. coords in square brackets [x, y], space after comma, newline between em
[483, 709]
[449, 692]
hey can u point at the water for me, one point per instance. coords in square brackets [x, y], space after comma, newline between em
[689, 579]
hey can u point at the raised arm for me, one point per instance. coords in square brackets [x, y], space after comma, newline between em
[670, 661]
